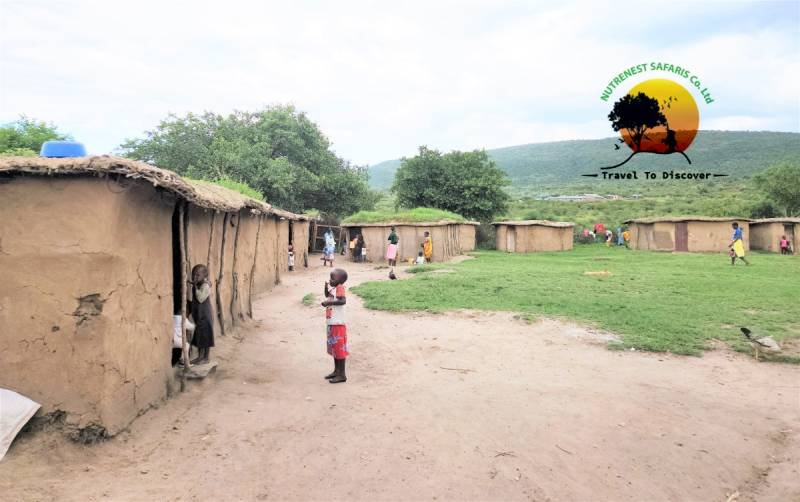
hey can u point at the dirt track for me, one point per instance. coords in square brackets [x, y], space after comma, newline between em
[462, 406]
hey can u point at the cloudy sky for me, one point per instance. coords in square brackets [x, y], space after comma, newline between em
[381, 78]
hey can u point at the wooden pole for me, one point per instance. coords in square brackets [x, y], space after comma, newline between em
[184, 345]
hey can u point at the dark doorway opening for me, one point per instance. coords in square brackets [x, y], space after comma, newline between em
[291, 233]
[176, 260]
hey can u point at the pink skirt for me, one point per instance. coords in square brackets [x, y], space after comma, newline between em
[391, 252]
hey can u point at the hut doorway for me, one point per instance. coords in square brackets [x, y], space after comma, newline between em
[176, 260]
[291, 233]
[682, 236]
[511, 239]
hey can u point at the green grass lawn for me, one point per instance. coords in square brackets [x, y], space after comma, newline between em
[655, 301]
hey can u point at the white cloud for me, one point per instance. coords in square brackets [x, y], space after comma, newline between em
[379, 78]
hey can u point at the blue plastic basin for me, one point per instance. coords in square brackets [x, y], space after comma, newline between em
[60, 149]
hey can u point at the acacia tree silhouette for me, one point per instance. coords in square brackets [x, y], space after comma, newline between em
[636, 114]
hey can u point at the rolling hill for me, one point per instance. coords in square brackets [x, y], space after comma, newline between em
[737, 153]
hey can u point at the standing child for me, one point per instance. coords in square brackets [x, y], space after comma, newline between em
[784, 245]
[334, 303]
[291, 258]
[609, 237]
[200, 310]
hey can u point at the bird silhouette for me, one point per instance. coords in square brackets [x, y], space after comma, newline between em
[764, 344]
[391, 275]
[616, 146]
[621, 140]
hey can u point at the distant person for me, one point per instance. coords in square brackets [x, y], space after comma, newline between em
[420, 259]
[336, 327]
[427, 247]
[352, 246]
[358, 249]
[620, 238]
[200, 310]
[609, 237]
[626, 236]
[291, 258]
[329, 250]
[784, 243]
[593, 236]
[391, 249]
[737, 245]
[599, 229]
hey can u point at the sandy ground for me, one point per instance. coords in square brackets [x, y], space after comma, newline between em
[463, 406]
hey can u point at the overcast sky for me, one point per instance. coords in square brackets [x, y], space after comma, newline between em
[381, 78]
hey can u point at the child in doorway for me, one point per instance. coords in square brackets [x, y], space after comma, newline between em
[200, 310]
[420, 259]
[291, 258]
[336, 326]
[784, 243]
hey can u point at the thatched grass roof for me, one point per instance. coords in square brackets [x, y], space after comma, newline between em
[417, 217]
[541, 223]
[680, 219]
[777, 220]
[200, 193]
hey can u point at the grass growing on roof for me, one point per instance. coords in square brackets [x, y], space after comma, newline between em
[236, 186]
[655, 301]
[416, 215]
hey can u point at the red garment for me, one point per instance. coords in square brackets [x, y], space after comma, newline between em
[599, 228]
[337, 341]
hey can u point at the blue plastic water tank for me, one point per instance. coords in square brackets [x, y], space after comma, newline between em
[61, 149]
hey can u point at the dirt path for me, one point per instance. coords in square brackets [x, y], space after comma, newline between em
[461, 406]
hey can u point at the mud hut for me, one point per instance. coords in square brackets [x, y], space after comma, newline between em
[531, 236]
[452, 235]
[766, 234]
[695, 234]
[91, 260]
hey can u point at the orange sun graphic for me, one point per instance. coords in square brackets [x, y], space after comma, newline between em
[681, 116]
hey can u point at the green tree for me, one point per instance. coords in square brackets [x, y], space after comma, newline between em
[25, 136]
[467, 183]
[278, 151]
[781, 184]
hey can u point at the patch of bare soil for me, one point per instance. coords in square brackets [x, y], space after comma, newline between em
[461, 406]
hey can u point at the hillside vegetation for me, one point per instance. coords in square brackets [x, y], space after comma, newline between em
[737, 153]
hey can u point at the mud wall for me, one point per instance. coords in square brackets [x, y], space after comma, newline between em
[266, 272]
[501, 237]
[86, 297]
[714, 236]
[300, 230]
[466, 237]
[446, 241]
[535, 238]
[659, 236]
[282, 245]
[767, 236]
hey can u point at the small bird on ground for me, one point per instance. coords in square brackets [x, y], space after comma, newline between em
[765, 344]
[391, 275]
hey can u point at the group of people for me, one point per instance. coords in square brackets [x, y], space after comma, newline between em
[600, 231]
[358, 250]
[425, 254]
